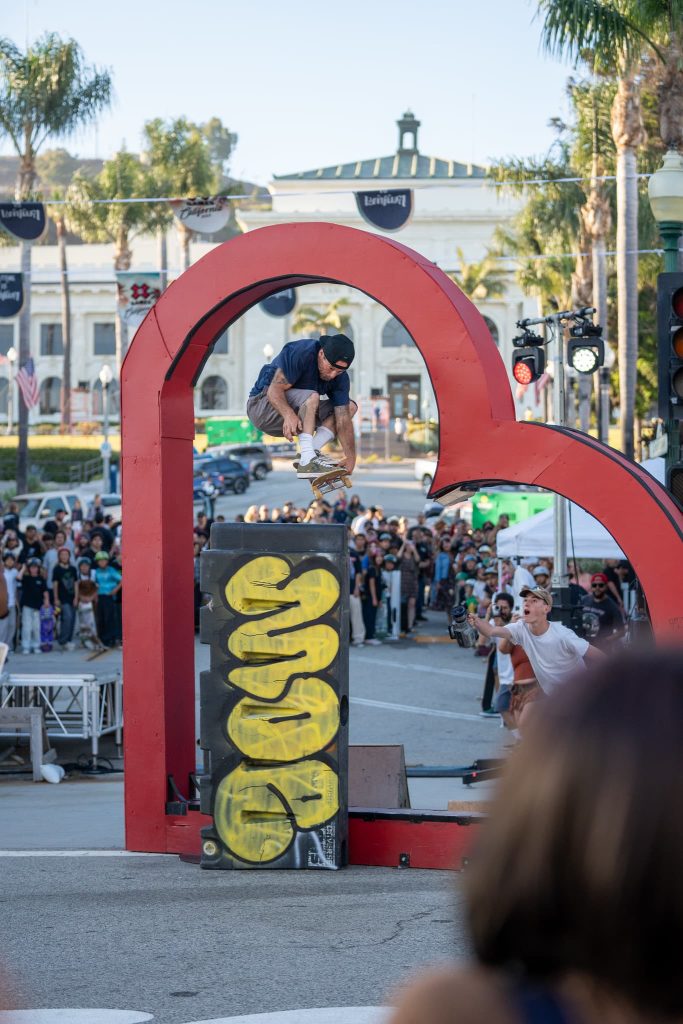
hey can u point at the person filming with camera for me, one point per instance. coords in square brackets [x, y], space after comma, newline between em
[555, 651]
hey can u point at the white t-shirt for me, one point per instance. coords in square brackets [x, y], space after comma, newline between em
[506, 673]
[11, 581]
[555, 655]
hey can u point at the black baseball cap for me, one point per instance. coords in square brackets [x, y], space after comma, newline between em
[336, 347]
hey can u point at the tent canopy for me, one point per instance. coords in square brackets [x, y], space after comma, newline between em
[586, 537]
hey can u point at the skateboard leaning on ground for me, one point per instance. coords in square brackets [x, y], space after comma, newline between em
[333, 480]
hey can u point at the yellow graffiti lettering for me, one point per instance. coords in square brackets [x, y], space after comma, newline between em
[257, 587]
[272, 660]
[298, 725]
[268, 656]
[257, 810]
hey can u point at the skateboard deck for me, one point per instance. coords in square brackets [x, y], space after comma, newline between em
[334, 480]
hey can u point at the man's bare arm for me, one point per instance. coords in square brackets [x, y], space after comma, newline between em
[276, 396]
[345, 434]
[487, 630]
[594, 654]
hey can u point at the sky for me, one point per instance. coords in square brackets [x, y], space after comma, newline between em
[309, 83]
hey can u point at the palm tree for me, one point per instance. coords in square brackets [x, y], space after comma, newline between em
[98, 220]
[179, 156]
[46, 91]
[332, 318]
[618, 34]
[479, 280]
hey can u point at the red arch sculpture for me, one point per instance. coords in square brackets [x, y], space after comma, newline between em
[480, 441]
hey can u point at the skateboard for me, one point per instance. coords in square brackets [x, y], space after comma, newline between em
[333, 480]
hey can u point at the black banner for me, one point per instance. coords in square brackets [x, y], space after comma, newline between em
[386, 209]
[11, 294]
[279, 304]
[25, 221]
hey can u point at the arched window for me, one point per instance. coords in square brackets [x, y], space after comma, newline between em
[493, 329]
[4, 396]
[113, 396]
[221, 345]
[50, 390]
[394, 334]
[214, 394]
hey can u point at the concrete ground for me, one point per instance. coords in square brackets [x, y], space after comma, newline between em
[91, 928]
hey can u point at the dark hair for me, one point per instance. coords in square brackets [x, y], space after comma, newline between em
[503, 596]
[579, 868]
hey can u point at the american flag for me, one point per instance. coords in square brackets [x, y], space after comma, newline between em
[28, 384]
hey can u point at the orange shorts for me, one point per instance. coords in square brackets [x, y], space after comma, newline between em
[524, 693]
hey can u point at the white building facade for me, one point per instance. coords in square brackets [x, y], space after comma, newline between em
[454, 207]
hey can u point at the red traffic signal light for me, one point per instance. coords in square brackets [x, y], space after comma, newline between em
[670, 345]
[528, 364]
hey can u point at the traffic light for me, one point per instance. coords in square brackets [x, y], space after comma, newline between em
[674, 481]
[528, 364]
[586, 349]
[528, 361]
[670, 345]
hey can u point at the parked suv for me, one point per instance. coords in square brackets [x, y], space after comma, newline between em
[224, 472]
[38, 506]
[256, 457]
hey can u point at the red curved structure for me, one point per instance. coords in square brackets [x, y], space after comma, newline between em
[480, 441]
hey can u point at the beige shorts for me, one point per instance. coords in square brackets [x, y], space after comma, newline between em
[266, 418]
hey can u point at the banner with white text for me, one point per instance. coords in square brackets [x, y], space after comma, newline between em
[386, 209]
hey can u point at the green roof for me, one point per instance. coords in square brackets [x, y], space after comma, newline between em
[407, 165]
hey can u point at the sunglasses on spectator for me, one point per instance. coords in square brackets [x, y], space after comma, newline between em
[601, 585]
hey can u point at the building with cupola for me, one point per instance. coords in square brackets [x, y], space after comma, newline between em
[454, 207]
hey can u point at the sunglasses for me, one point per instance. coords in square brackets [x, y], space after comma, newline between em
[601, 586]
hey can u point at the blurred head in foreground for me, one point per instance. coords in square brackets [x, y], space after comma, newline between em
[578, 871]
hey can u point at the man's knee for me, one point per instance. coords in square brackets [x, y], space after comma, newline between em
[311, 402]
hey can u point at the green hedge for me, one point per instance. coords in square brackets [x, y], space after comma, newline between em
[47, 463]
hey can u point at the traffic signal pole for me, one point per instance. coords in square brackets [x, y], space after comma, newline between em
[560, 578]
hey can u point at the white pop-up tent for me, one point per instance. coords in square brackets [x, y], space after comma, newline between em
[586, 537]
[536, 535]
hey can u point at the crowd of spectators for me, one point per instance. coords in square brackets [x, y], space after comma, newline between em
[440, 562]
[63, 580]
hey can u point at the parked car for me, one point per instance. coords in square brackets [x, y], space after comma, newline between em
[111, 505]
[424, 472]
[38, 506]
[225, 474]
[256, 457]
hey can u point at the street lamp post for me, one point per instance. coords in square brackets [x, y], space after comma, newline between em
[665, 191]
[106, 376]
[12, 356]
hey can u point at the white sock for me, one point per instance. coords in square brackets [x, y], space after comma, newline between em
[321, 437]
[306, 448]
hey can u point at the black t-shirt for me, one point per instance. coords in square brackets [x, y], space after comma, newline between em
[606, 615]
[424, 554]
[356, 568]
[372, 573]
[34, 549]
[32, 590]
[105, 533]
[65, 577]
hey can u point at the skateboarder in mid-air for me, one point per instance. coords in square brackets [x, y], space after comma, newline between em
[286, 401]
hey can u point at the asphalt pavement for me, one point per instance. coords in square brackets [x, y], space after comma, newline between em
[88, 926]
